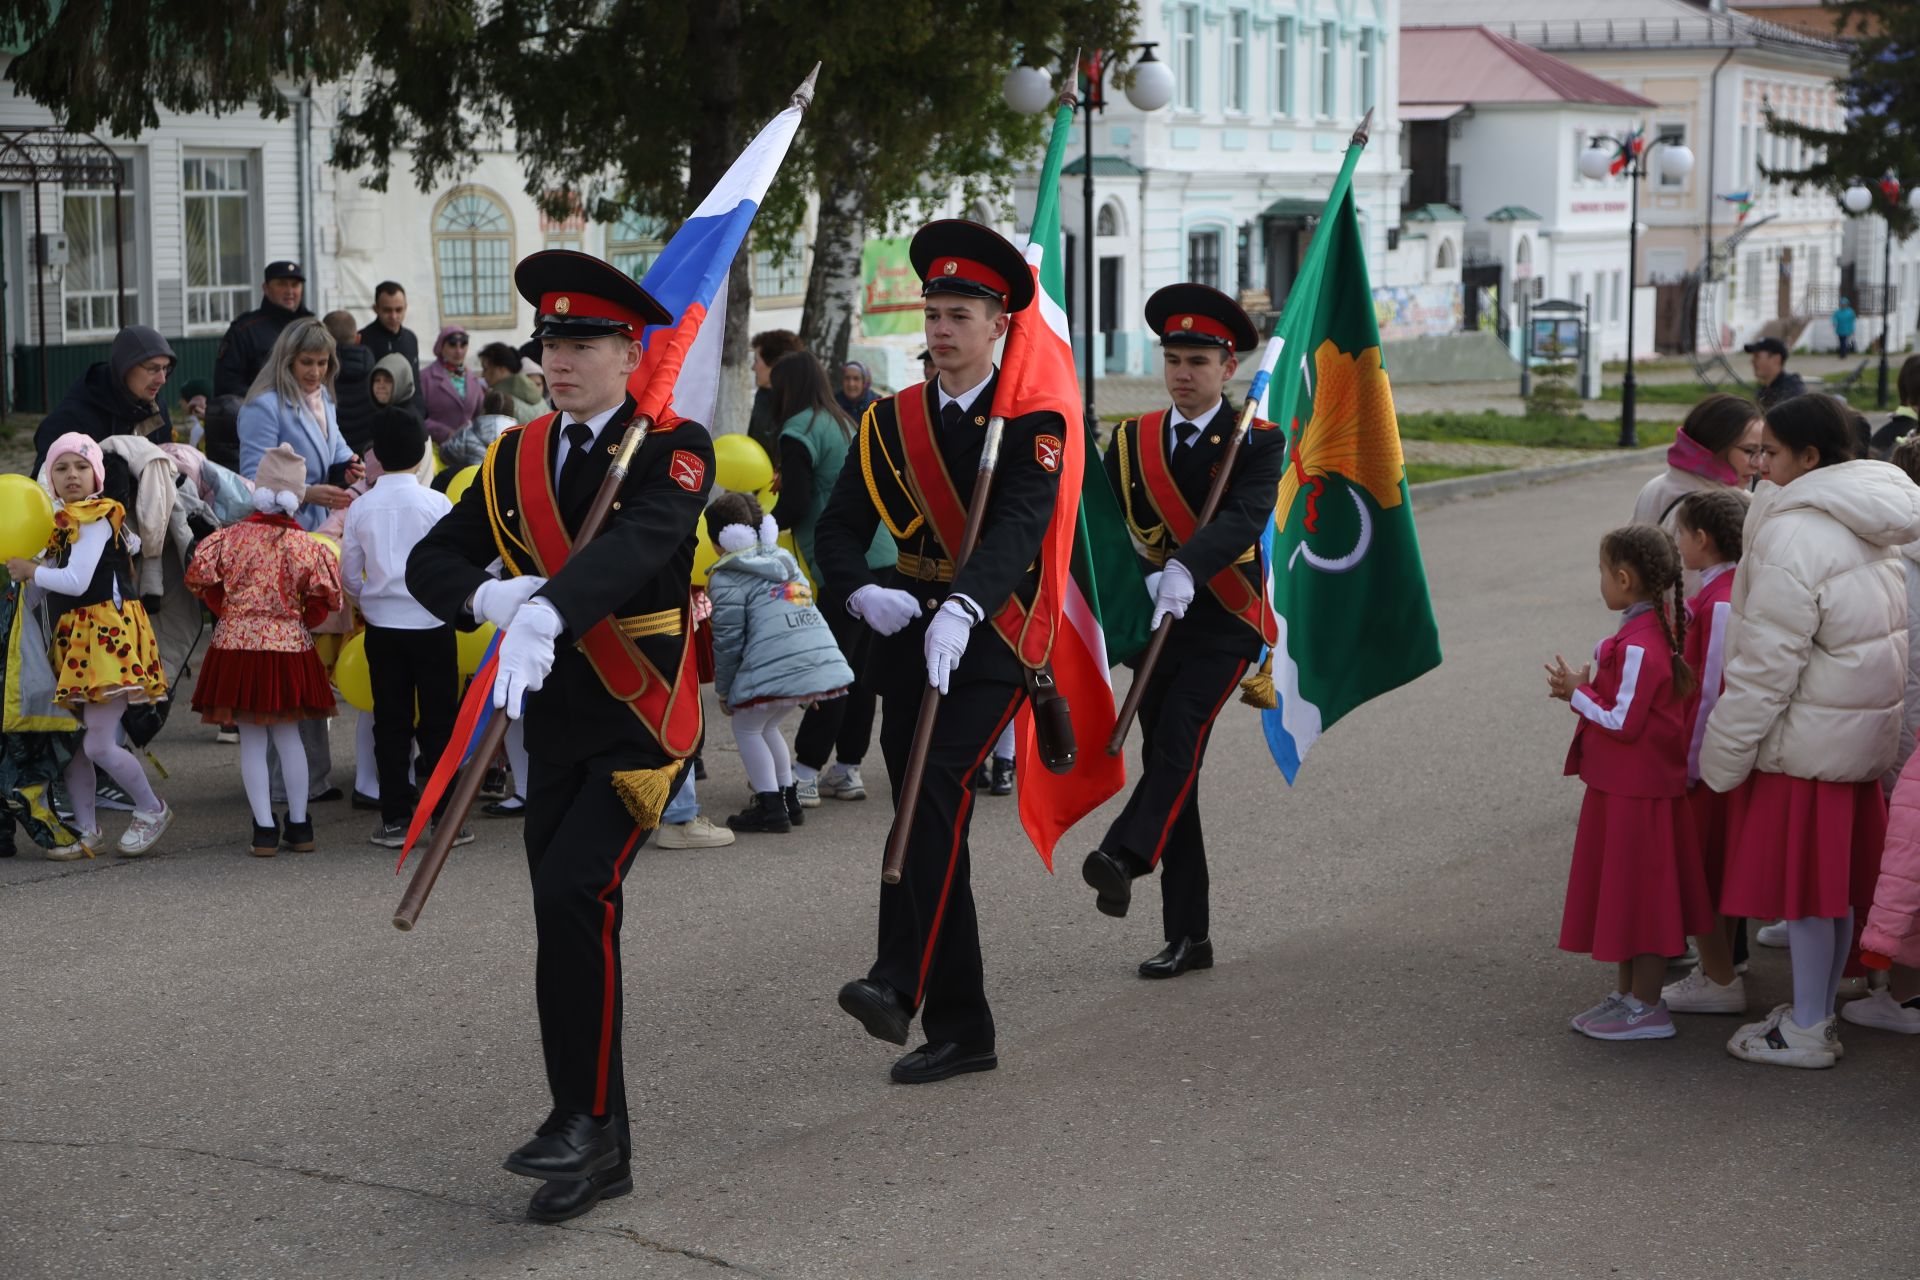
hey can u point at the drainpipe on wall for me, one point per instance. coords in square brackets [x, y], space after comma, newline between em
[303, 148]
[1713, 151]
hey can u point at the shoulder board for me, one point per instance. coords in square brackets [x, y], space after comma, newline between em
[1261, 424]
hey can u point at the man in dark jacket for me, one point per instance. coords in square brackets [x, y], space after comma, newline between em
[1770, 371]
[353, 384]
[249, 339]
[387, 332]
[121, 395]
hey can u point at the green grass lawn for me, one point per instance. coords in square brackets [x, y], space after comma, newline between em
[1861, 395]
[1535, 431]
[1422, 472]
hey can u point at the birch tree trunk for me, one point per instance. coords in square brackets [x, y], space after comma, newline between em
[840, 233]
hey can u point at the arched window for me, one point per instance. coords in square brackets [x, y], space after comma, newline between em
[1444, 259]
[473, 256]
[635, 241]
[1108, 223]
[1523, 258]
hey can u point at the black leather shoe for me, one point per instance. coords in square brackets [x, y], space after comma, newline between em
[1181, 955]
[266, 840]
[299, 835]
[931, 1062]
[559, 1201]
[790, 796]
[1002, 782]
[879, 1009]
[982, 779]
[361, 800]
[570, 1146]
[767, 814]
[1111, 880]
[328, 796]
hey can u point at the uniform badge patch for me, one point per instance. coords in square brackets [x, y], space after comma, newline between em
[1046, 452]
[688, 470]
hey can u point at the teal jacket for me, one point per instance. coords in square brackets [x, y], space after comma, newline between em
[826, 445]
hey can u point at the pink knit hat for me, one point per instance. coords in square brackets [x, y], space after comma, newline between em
[87, 447]
[281, 470]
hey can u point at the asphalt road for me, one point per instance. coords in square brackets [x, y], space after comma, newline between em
[216, 1066]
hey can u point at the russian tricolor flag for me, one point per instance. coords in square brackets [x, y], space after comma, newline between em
[680, 370]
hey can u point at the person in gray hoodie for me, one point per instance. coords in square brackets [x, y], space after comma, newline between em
[772, 652]
[120, 395]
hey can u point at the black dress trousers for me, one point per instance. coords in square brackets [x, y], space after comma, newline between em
[1160, 825]
[929, 936]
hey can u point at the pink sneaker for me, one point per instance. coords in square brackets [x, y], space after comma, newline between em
[1579, 1021]
[1631, 1021]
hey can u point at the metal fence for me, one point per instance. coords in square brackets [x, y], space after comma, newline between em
[67, 365]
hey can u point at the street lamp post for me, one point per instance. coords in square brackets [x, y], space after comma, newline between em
[1597, 161]
[1149, 87]
[1857, 199]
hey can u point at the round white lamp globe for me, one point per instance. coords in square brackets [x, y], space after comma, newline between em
[1856, 198]
[1676, 162]
[1150, 84]
[1027, 90]
[1595, 161]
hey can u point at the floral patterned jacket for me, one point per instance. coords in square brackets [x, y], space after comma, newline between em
[267, 581]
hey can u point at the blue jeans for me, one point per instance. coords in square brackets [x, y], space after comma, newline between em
[685, 806]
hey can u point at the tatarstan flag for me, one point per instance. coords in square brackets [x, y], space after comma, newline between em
[1104, 603]
[1347, 583]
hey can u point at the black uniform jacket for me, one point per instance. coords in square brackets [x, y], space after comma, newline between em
[247, 344]
[641, 563]
[1018, 510]
[1245, 508]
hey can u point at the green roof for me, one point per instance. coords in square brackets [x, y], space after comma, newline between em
[1513, 213]
[1295, 207]
[1433, 213]
[1105, 167]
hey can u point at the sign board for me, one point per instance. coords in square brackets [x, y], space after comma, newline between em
[890, 300]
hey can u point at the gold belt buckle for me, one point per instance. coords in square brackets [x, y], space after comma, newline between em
[927, 569]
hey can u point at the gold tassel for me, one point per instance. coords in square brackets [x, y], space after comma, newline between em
[645, 792]
[1257, 689]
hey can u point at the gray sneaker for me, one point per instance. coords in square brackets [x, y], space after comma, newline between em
[389, 835]
[463, 836]
[808, 791]
[842, 782]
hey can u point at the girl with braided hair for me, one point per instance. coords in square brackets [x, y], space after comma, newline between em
[1707, 529]
[1635, 890]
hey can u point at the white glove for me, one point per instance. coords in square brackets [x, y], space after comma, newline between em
[526, 655]
[885, 609]
[1172, 594]
[497, 599]
[1153, 584]
[946, 641]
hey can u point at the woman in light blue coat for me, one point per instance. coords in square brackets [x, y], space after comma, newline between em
[291, 403]
[772, 652]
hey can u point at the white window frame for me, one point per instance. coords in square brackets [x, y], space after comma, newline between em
[219, 300]
[1237, 69]
[1186, 57]
[1218, 236]
[1365, 71]
[99, 306]
[784, 282]
[1619, 279]
[1326, 73]
[480, 242]
[634, 241]
[1283, 49]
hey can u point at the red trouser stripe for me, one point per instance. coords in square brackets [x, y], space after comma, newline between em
[608, 977]
[953, 852]
[1193, 768]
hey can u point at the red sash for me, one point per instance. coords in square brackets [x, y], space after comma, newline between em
[669, 709]
[1228, 586]
[1028, 632]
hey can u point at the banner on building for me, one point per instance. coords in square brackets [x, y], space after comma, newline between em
[1418, 310]
[889, 289]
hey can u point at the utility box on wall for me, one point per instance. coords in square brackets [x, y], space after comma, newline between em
[50, 249]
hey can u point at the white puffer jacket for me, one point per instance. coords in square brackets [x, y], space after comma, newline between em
[1817, 646]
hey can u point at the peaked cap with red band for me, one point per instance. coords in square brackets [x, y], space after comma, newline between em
[1193, 315]
[957, 256]
[576, 295]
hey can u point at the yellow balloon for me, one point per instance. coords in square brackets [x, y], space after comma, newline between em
[461, 479]
[351, 675]
[472, 647]
[704, 554]
[331, 543]
[26, 517]
[740, 464]
[768, 498]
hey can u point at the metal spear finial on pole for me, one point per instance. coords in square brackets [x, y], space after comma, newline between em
[803, 96]
[1361, 134]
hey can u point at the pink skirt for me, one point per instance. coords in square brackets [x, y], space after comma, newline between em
[1800, 848]
[1636, 888]
[1711, 812]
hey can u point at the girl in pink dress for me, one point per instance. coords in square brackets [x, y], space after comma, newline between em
[1635, 891]
[1707, 527]
[268, 582]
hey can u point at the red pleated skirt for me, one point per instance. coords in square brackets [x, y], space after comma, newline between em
[1636, 887]
[254, 686]
[1800, 848]
[1711, 810]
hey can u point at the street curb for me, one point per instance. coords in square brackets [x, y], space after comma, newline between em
[1436, 493]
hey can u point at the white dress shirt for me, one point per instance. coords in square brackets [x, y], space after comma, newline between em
[967, 397]
[598, 422]
[383, 526]
[1185, 430]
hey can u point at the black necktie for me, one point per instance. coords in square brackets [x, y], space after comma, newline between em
[580, 444]
[953, 415]
[1184, 433]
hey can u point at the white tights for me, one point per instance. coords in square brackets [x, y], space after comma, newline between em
[1819, 958]
[293, 768]
[101, 746]
[763, 750]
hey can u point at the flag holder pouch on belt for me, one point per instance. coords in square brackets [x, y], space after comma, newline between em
[1052, 720]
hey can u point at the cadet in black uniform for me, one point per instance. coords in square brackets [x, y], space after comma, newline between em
[915, 466]
[1162, 464]
[580, 837]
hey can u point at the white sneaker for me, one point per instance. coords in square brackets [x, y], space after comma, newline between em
[696, 833]
[145, 831]
[1697, 993]
[83, 847]
[1780, 1042]
[1771, 935]
[842, 782]
[808, 790]
[1883, 1011]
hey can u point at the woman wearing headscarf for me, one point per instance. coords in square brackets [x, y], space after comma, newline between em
[856, 389]
[453, 392]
